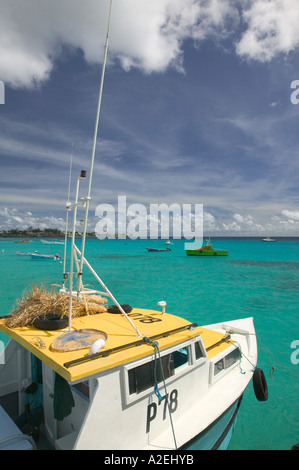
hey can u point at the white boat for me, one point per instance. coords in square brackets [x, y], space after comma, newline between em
[52, 242]
[37, 255]
[27, 253]
[268, 239]
[126, 379]
[42, 256]
[193, 406]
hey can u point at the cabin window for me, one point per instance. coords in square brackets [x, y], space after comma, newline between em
[219, 366]
[143, 377]
[199, 353]
[227, 361]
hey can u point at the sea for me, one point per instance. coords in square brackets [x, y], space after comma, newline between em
[256, 279]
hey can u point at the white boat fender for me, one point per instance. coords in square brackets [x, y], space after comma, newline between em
[260, 385]
[96, 346]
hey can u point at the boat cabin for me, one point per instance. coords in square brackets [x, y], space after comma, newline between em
[125, 384]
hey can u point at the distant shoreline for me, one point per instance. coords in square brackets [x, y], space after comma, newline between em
[36, 234]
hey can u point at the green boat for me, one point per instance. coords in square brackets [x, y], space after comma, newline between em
[207, 250]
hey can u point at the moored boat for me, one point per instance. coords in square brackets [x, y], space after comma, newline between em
[158, 249]
[42, 256]
[52, 242]
[28, 253]
[268, 239]
[23, 253]
[206, 250]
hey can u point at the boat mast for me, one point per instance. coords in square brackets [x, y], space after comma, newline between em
[88, 198]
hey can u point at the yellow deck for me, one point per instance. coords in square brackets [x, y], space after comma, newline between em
[120, 332]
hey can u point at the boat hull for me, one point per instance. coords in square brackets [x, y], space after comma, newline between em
[158, 249]
[218, 435]
[39, 256]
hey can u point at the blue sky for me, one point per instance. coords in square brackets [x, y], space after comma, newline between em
[196, 109]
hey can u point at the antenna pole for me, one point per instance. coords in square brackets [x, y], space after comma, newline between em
[87, 199]
[66, 221]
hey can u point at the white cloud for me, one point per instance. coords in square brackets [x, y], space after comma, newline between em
[208, 220]
[285, 223]
[292, 215]
[272, 28]
[22, 220]
[247, 220]
[239, 218]
[147, 35]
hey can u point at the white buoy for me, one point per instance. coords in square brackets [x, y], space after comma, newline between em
[96, 346]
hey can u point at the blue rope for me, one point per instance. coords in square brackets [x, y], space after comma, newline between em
[155, 344]
[156, 388]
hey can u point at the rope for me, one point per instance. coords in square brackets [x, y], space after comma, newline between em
[238, 346]
[286, 370]
[157, 392]
[283, 369]
[155, 344]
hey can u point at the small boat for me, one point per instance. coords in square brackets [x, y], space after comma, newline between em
[158, 249]
[207, 250]
[268, 239]
[52, 242]
[41, 256]
[22, 241]
[27, 253]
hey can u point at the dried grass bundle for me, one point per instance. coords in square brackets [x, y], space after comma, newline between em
[39, 301]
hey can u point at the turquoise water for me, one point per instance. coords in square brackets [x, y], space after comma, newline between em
[256, 279]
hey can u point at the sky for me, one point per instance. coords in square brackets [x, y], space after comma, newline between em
[200, 106]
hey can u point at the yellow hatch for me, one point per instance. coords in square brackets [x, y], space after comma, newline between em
[122, 345]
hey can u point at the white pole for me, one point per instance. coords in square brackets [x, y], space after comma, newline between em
[72, 256]
[66, 221]
[93, 150]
